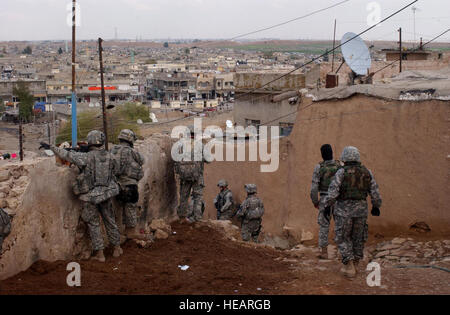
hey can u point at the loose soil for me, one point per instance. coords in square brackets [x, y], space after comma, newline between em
[217, 266]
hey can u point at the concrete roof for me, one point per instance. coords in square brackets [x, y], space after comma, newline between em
[408, 85]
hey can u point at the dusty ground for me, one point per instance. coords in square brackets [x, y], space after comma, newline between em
[218, 266]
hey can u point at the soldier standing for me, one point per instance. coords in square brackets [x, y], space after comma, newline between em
[322, 176]
[95, 186]
[224, 202]
[130, 173]
[190, 170]
[5, 227]
[349, 189]
[251, 212]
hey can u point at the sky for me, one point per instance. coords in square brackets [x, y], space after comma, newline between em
[218, 19]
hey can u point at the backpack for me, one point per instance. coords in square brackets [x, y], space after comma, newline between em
[131, 168]
[97, 173]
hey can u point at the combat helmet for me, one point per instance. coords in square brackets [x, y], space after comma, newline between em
[350, 154]
[222, 183]
[127, 135]
[250, 188]
[96, 138]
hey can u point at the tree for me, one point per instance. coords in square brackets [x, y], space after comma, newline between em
[187, 51]
[166, 45]
[27, 51]
[26, 100]
[60, 51]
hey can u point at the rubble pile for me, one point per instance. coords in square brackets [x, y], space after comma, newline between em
[408, 251]
[13, 183]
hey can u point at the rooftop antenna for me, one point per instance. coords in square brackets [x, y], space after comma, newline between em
[414, 9]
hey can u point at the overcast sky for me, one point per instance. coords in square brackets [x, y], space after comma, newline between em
[175, 19]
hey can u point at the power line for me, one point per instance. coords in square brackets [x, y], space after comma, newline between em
[326, 53]
[276, 25]
[337, 92]
[289, 21]
[390, 64]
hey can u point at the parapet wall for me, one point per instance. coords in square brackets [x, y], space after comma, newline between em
[404, 143]
[47, 224]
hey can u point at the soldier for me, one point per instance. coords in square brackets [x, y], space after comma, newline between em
[322, 176]
[349, 189]
[224, 202]
[190, 170]
[5, 227]
[251, 212]
[130, 173]
[95, 186]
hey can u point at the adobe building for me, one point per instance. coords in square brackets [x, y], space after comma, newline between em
[258, 104]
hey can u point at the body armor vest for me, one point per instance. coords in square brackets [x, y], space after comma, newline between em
[326, 173]
[356, 182]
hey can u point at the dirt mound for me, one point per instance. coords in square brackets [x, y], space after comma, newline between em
[216, 266]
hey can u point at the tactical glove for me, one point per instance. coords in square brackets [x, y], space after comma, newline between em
[44, 145]
[376, 212]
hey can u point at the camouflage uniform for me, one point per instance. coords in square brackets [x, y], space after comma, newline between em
[322, 176]
[5, 227]
[224, 202]
[251, 212]
[192, 183]
[95, 186]
[349, 189]
[130, 172]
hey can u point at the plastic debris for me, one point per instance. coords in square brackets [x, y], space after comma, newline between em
[184, 268]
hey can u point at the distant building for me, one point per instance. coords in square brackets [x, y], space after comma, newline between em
[37, 89]
[174, 86]
[393, 54]
[259, 104]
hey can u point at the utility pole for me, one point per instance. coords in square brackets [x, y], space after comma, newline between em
[400, 47]
[49, 133]
[74, 94]
[334, 45]
[20, 138]
[105, 122]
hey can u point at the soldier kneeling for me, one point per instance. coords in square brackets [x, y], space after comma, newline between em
[251, 212]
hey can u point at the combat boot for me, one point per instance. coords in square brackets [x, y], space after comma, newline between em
[323, 253]
[99, 256]
[348, 270]
[117, 251]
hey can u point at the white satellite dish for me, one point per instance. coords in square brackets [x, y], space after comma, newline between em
[356, 53]
[229, 124]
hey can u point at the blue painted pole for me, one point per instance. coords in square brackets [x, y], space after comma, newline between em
[74, 120]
